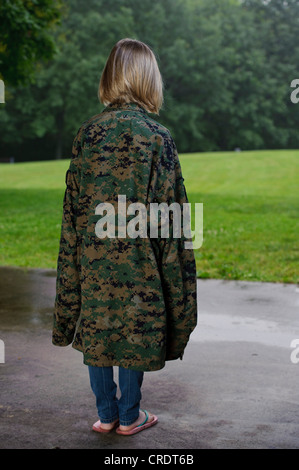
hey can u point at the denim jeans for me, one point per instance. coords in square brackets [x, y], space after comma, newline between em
[110, 408]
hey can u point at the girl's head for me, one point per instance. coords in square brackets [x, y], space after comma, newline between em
[131, 74]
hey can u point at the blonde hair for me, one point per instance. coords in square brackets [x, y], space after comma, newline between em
[131, 74]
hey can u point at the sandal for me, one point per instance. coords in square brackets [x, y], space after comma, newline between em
[145, 424]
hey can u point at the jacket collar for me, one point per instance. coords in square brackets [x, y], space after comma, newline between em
[132, 106]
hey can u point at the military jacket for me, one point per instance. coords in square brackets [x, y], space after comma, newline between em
[121, 300]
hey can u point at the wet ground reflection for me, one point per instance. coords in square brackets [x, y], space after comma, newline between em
[26, 297]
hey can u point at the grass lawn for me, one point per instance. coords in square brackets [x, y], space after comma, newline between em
[250, 213]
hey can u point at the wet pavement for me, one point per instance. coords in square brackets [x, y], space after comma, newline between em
[237, 386]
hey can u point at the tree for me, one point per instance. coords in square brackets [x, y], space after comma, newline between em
[65, 91]
[227, 66]
[278, 23]
[25, 37]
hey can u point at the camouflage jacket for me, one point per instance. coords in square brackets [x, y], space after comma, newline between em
[123, 301]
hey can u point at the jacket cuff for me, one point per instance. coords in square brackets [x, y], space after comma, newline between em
[172, 356]
[60, 339]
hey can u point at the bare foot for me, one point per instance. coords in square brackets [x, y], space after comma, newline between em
[108, 426]
[137, 422]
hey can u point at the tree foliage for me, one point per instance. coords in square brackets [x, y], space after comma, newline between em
[25, 37]
[227, 66]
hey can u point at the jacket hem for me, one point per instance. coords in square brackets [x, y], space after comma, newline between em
[118, 363]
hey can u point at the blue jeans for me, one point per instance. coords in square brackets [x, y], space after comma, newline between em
[110, 408]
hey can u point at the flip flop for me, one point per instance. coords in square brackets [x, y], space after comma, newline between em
[97, 427]
[145, 424]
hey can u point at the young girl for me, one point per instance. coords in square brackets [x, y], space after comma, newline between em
[124, 297]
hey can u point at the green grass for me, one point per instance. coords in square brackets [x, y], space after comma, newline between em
[250, 213]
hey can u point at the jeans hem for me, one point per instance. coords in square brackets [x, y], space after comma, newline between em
[128, 422]
[109, 420]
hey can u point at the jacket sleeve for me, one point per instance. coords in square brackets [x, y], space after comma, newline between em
[68, 292]
[176, 263]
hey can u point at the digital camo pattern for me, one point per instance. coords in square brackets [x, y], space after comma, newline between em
[128, 302]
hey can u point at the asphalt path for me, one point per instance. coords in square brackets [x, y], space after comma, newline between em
[236, 387]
